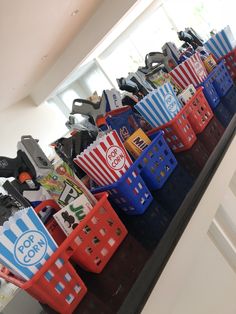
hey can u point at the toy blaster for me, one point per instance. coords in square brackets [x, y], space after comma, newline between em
[29, 164]
[190, 37]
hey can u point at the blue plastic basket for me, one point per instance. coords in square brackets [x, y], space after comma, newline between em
[156, 163]
[221, 79]
[210, 93]
[223, 114]
[129, 193]
[229, 100]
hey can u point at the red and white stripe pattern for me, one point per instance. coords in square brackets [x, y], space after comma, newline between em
[106, 160]
[191, 71]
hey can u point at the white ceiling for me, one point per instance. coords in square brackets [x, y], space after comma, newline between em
[33, 34]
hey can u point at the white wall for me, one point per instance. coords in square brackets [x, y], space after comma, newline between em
[45, 123]
[210, 285]
[95, 32]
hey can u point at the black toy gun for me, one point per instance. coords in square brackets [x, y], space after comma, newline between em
[30, 163]
[191, 37]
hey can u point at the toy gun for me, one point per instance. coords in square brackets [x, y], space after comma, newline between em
[88, 108]
[67, 148]
[130, 86]
[155, 61]
[30, 163]
[191, 37]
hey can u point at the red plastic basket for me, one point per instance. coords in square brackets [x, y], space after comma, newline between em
[178, 132]
[198, 111]
[91, 245]
[96, 238]
[230, 59]
[56, 283]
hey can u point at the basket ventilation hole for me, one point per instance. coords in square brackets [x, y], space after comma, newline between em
[104, 251]
[110, 222]
[128, 180]
[78, 240]
[94, 220]
[97, 261]
[102, 211]
[102, 231]
[86, 229]
[69, 250]
[95, 240]
[147, 195]
[134, 174]
[70, 298]
[118, 231]
[89, 250]
[150, 153]
[140, 166]
[140, 186]
[77, 288]
[111, 242]
[67, 277]
[162, 173]
[142, 200]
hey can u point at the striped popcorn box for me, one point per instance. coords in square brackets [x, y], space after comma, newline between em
[221, 43]
[159, 106]
[106, 160]
[25, 244]
[191, 71]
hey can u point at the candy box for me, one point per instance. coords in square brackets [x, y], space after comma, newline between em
[71, 215]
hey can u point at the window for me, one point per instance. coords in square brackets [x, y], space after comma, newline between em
[94, 80]
[68, 96]
[157, 25]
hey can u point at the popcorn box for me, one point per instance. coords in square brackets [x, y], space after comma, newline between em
[25, 244]
[106, 160]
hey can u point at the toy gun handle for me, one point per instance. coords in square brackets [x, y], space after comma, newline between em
[8, 167]
[12, 167]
